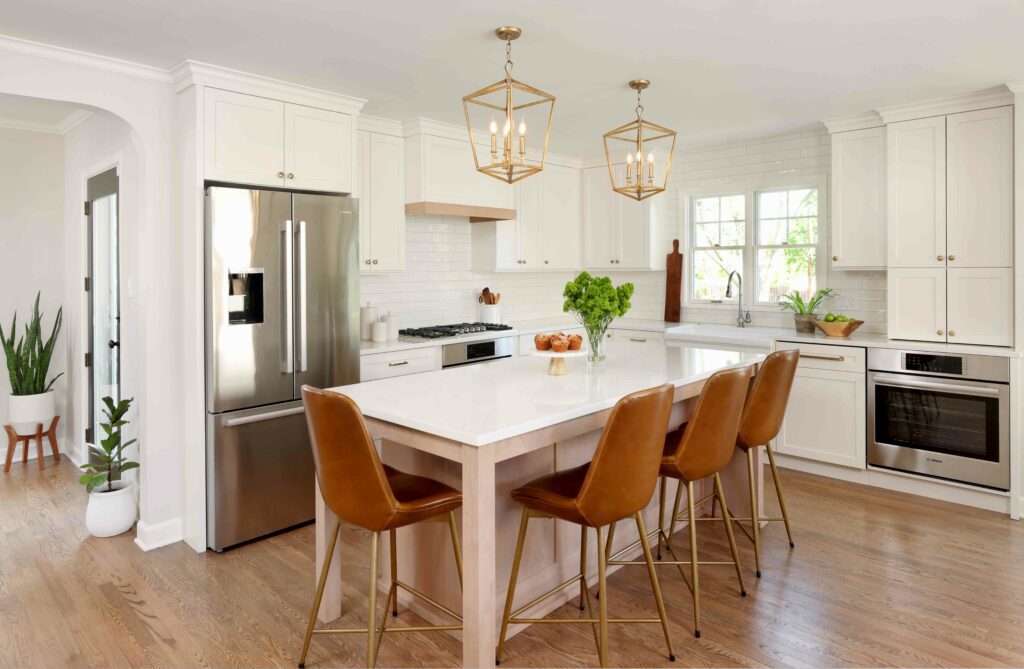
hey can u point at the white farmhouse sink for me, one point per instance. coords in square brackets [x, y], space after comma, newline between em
[728, 335]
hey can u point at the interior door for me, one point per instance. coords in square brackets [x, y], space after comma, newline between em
[104, 297]
[326, 298]
[249, 345]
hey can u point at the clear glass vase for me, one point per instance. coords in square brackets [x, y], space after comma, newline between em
[595, 340]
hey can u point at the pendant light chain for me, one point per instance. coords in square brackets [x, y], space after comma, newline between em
[508, 61]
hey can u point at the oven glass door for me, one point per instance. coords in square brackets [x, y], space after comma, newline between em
[927, 415]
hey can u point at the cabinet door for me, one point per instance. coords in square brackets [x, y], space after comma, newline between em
[826, 419]
[361, 190]
[980, 306]
[600, 220]
[317, 149]
[530, 195]
[979, 183]
[450, 176]
[916, 193]
[858, 198]
[243, 138]
[917, 303]
[387, 203]
[633, 232]
[560, 218]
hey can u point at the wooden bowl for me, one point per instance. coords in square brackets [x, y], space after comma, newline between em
[838, 329]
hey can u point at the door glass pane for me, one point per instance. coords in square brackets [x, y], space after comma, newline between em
[106, 336]
[936, 421]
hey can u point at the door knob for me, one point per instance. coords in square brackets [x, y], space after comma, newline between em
[113, 344]
[952, 257]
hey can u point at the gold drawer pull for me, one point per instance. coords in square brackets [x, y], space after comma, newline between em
[638, 340]
[398, 364]
[816, 356]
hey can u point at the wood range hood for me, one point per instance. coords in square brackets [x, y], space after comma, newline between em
[474, 213]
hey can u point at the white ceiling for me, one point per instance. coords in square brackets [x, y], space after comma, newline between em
[22, 113]
[722, 70]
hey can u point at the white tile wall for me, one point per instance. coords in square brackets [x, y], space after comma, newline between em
[438, 285]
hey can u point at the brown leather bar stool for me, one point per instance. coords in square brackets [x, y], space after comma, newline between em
[363, 492]
[699, 449]
[762, 420]
[616, 484]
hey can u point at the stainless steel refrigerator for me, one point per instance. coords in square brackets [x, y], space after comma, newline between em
[282, 310]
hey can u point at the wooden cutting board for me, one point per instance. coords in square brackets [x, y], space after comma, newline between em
[673, 283]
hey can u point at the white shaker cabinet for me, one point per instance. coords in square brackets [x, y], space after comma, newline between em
[858, 232]
[380, 182]
[317, 149]
[618, 232]
[917, 303]
[979, 169]
[916, 193]
[441, 169]
[826, 418]
[560, 218]
[979, 306]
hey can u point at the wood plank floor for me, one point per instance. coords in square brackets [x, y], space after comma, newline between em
[876, 579]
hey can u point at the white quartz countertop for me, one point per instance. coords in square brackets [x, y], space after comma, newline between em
[481, 404]
[762, 337]
[566, 321]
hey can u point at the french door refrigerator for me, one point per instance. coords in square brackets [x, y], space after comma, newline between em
[282, 310]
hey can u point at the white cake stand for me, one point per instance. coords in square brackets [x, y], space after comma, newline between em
[556, 362]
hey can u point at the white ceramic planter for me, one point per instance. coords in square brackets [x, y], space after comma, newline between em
[27, 411]
[110, 513]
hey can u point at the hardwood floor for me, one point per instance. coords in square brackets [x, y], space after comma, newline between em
[876, 579]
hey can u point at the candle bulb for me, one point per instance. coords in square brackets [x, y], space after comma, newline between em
[522, 140]
[629, 168]
[506, 142]
[650, 168]
[494, 139]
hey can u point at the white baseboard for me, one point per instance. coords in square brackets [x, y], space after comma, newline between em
[156, 535]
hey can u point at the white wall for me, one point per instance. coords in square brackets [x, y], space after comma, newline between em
[32, 246]
[439, 287]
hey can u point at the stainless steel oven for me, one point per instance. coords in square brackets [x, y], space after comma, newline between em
[940, 415]
[468, 353]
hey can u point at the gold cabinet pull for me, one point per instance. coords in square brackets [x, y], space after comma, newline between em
[639, 340]
[835, 258]
[367, 261]
[938, 257]
[938, 332]
[291, 176]
[280, 175]
[374, 261]
[816, 356]
[952, 333]
[952, 257]
[398, 364]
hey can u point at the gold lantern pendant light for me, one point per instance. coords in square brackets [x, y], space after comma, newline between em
[508, 102]
[645, 141]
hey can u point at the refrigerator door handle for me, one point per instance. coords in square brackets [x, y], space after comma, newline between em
[302, 339]
[288, 324]
[259, 418]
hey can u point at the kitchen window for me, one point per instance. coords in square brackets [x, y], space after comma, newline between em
[770, 235]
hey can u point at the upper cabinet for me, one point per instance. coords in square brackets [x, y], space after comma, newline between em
[858, 199]
[917, 192]
[545, 234]
[262, 142]
[979, 187]
[620, 233]
[441, 169]
[380, 183]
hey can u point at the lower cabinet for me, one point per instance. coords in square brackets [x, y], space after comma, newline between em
[635, 336]
[373, 366]
[826, 419]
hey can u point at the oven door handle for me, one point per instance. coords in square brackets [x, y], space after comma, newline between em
[901, 382]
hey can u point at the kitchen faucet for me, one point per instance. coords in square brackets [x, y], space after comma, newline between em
[743, 317]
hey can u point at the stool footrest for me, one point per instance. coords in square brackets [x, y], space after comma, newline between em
[537, 600]
[589, 621]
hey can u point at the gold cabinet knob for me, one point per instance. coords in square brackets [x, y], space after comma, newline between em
[835, 258]
[367, 261]
[374, 261]
[938, 258]
[938, 332]
[291, 176]
[952, 257]
[545, 262]
[952, 333]
[280, 175]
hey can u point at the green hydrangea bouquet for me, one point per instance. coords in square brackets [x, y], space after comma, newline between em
[596, 302]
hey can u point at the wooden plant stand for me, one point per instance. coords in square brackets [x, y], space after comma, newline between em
[13, 438]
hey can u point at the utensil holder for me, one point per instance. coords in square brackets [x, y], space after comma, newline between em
[488, 313]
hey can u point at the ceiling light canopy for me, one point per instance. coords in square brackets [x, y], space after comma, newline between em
[642, 171]
[498, 118]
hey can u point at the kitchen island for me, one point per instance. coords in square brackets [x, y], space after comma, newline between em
[488, 428]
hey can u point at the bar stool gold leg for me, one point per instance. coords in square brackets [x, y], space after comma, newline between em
[371, 625]
[694, 566]
[455, 544]
[319, 592]
[512, 585]
[394, 573]
[778, 491]
[654, 583]
[602, 605]
[755, 515]
[729, 533]
[661, 513]
[583, 567]
[610, 541]
[675, 513]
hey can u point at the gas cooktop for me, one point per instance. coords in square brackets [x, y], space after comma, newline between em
[443, 331]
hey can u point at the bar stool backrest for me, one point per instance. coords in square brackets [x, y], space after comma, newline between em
[709, 440]
[624, 469]
[769, 395]
[348, 470]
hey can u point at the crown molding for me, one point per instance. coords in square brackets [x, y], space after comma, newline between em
[871, 119]
[73, 120]
[381, 126]
[997, 96]
[64, 55]
[1016, 87]
[195, 73]
[62, 127]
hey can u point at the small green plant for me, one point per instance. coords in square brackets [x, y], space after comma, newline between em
[595, 301]
[109, 460]
[28, 359]
[795, 301]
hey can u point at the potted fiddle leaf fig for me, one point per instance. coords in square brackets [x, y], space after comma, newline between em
[596, 302]
[32, 399]
[111, 508]
[803, 310]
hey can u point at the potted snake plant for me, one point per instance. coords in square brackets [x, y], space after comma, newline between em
[804, 310]
[32, 400]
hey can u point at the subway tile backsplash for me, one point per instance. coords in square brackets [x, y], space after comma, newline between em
[438, 285]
